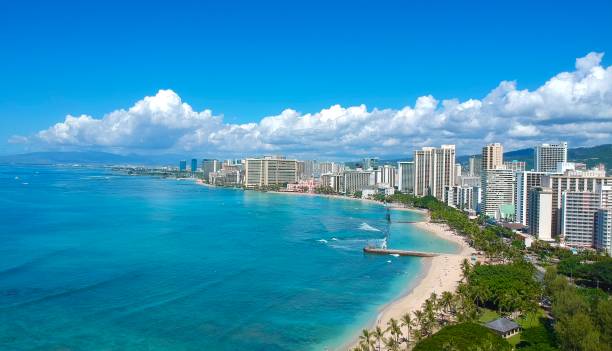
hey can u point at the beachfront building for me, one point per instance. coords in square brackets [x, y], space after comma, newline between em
[525, 181]
[579, 215]
[546, 156]
[388, 175]
[183, 165]
[333, 181]
[540, 213]
[405, 176]
[303, 186]
[434, 171]
[194, 165]
[356, 181]
[209, 166]
[269, 171]
[498, 193]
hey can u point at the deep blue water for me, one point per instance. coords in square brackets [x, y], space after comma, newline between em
[94, 260]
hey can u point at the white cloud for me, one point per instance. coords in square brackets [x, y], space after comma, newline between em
[574, 106]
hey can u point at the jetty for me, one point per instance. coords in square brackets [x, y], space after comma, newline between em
[379, 251]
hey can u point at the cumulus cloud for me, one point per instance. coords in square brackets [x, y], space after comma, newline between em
[575, 106]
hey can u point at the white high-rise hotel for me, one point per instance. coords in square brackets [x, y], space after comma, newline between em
[434, 171]
[548, 155]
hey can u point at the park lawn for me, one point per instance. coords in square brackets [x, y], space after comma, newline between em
[487, 315]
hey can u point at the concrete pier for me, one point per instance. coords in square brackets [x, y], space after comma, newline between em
[377, 251]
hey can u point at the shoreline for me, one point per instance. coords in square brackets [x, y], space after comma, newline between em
[439, 274]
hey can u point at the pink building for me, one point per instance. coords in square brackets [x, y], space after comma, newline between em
[303, 186]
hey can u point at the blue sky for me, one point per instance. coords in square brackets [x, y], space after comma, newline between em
[245, 61]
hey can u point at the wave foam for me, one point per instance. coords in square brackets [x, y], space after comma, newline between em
[367, 227]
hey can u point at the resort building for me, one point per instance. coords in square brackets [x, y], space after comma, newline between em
[210, 166]
[525, 181]
[498, 193]
[579, 215]
[571, 181]
[388, 175]
[546, 156]
[405, 179]
[492, 157]
[434, 171]
[182, 165]
[333, 181]
[194, 165]
[269, 171]
[540, 213]
[356, 181]
[517, 166]
[330, 167]
[474, 166]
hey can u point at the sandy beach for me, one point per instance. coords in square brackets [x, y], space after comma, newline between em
[440, 273]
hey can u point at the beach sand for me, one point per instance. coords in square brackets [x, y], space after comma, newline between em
[440, 273]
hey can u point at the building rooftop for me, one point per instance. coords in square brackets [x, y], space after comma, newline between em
[502, 325]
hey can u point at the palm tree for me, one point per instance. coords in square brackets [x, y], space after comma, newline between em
[392, 344]
[446, 301]
[406, 321]
[366, 339]
[465, 269]
[419, 317]
[379, 335]
[394, 328]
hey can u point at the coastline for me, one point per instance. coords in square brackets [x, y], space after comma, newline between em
[440, 273]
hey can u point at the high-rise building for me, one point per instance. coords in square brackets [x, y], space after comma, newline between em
[388, 175]
[474, 165]
[492, 157]
[405, 181]
[603, 231]
[334, 181]
[194, 164]
[540, 213]
[370, 163]
[269, 171]
[517, 166]
[579, 212]
[548, 155]
[210, 166]
[182, 165]
[457, 174]
[574, 181]
[356, 181]
[434, 171]
[525, 181]
[498, 193]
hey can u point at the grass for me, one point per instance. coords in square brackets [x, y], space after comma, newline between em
[488, 315]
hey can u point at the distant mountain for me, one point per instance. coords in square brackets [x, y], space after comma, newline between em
[88, 157]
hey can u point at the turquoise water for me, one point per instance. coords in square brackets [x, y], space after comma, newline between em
[94, 260]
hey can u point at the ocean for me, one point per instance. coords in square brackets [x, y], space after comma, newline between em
[96, 260]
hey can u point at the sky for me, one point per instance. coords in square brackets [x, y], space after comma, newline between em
[303, 78]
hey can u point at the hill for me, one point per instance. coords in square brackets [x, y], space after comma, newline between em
[88, 157]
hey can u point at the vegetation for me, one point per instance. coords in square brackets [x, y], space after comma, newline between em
[327, 190]
[464, 336]
[580, 318]
[505, 288]
[583, 316]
